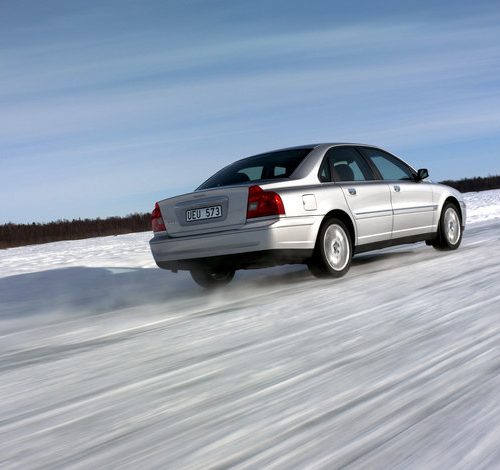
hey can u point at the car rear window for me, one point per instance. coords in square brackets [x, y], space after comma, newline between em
[267, 166]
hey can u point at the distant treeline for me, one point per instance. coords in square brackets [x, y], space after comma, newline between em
[478, 183]
[29, 234]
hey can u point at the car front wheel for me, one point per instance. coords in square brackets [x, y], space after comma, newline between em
[449, 234]
[212, 278]
[333, 251]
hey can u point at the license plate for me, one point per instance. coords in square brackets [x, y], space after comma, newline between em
[211, 212]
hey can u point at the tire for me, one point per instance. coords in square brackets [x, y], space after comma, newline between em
[449, 234]
[212, 278]
[333, 252]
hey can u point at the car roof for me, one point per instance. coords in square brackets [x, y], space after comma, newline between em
[320, 144]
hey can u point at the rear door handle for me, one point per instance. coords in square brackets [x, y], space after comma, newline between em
[397, 188]
[352, 191]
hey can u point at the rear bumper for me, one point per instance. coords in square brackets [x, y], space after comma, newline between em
[287, 240]
[249, 260]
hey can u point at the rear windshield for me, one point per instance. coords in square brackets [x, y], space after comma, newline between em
[272, 165]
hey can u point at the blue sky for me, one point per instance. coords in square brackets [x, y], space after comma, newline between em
[106, 107]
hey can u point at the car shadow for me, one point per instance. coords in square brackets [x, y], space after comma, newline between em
[93, 290]
[367, 258]
[102, 289]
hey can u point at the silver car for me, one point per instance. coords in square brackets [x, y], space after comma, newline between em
[315, 204]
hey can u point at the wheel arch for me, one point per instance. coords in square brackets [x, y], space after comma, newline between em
[453, 200]
[345, 218]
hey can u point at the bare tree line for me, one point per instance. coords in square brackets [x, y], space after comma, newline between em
[477, 183]
[29, 234]
[12, 235]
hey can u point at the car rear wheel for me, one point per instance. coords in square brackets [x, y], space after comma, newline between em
[333, 252]
[449, 234]
[212, 278]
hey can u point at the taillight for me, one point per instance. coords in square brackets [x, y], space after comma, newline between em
[263, 203]
[157, 223]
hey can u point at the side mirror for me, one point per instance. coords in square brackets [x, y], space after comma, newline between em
[422, 174]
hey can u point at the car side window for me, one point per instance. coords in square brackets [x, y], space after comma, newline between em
[324, 172]
[346, 164]
[389, 167]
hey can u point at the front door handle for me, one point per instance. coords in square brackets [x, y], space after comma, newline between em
[352, 191]
[397, 188]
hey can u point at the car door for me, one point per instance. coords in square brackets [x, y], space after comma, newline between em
[412, 200]
[369, 199]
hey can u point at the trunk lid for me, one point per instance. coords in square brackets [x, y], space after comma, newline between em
[205, 211]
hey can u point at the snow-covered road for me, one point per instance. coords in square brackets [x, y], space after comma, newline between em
[107, 361]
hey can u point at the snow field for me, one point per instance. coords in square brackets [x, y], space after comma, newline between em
[107, 361]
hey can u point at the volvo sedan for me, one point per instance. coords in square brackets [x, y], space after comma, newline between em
[315, 204]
